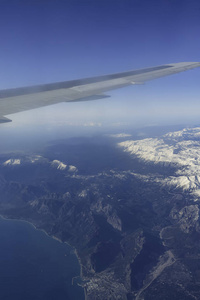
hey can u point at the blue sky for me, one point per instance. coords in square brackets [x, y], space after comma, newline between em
[55, 40]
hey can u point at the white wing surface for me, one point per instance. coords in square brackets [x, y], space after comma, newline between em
[30, 97]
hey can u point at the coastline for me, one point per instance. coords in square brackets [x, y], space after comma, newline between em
[55, 238]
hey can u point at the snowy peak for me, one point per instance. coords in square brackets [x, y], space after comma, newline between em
[185, 134]
[58, 165]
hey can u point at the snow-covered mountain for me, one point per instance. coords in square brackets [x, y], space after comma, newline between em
[180, 149]
[58, 165]
[23, 159]
[38, 159]
[12, 162]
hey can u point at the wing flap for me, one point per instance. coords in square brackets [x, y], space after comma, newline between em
[91, 98]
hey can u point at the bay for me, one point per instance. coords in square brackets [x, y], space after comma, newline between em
[35, 266]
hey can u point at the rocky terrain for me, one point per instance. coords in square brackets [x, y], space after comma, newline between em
[135, 230]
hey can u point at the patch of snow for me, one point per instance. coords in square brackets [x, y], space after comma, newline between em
[58, 165]
[12, 162]
[35, 158]
[120, 135]
[72, 168]
[83, 194]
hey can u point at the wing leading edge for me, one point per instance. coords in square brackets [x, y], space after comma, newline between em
[26, 98]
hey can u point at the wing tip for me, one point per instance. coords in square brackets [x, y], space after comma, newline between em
[191, 64]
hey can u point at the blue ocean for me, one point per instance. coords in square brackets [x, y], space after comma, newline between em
[34, 266]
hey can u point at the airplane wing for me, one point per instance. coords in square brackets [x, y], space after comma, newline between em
[30, 97]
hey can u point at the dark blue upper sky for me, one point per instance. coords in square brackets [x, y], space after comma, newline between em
[54, 40]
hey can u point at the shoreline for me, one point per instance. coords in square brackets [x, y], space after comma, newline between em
[57, 239]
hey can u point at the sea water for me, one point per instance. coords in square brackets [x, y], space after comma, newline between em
[35, 266]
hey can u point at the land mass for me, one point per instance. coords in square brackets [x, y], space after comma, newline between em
[135, 237]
